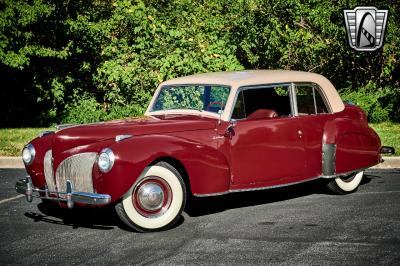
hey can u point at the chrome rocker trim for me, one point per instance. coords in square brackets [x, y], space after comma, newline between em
[25, 187]
[255, 189]
[280, 185]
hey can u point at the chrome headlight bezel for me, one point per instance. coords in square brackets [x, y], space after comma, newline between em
[106, 160]
[28, 154]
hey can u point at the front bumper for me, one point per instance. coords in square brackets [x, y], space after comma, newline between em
[25, 186]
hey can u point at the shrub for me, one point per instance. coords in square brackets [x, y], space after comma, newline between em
[86, 110]
[119, 51]
[379, 103]
[119, 111]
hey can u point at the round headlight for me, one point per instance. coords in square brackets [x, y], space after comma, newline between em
[28, 154]
[106, 160]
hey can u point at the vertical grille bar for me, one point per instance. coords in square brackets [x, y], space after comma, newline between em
[48, 171]
[78, 169]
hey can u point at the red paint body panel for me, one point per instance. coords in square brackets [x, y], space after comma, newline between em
[36, 169]
[207, 169]
[312, 128]
[267, 149]
[86, 134]
[358, 145]
[259, 153]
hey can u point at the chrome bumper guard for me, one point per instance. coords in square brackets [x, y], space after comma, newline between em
[387, 150]
[25, 186]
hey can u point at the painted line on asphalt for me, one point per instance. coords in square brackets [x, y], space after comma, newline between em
[12, 198]
[318, 196]
[377, 192]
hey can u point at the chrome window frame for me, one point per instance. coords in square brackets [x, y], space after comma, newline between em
[190, 84]
[315, 87]
[264, 86]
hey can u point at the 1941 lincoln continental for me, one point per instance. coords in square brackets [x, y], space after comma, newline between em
[204, 135]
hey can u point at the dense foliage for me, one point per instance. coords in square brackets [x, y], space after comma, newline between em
[83, 61]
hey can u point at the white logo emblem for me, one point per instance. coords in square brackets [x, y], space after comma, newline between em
[365, 27]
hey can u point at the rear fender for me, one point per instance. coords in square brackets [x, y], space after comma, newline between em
[348, 145]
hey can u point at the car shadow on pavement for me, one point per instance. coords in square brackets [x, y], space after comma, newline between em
[107, 219]
[79, 217]
[99, 218]
[197, 206]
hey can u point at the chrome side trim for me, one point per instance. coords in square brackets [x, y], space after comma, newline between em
[24, 186]
[255, 189]
[278, 186]
[119, 138]
[62, 126]
[212, 194]
[328, 159]
[44, 133]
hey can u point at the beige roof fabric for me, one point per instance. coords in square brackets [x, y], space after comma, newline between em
[237, 79]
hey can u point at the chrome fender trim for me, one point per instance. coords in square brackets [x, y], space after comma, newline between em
[255, 189]
[328, 159]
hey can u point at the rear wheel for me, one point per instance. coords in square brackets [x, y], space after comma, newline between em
[346, 184]
[156, 201]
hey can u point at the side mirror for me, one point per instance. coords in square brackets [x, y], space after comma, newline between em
[232, 123]
[230, 132]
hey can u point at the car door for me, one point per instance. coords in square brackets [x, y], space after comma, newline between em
[312, 113]
[266, 143]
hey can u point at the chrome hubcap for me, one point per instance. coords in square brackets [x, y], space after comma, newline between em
[151, 196]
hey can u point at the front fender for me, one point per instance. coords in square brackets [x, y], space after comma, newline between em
[36, 169]
[207, 168]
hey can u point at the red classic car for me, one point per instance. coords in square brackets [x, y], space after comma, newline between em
[204, 135]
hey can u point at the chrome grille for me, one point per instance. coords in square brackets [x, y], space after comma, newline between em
[78, 169]
[48, 171]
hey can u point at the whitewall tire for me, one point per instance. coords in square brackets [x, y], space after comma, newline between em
[346, 184]
[155, 201]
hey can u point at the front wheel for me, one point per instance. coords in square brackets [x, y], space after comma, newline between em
[156, 201]
[346, 184]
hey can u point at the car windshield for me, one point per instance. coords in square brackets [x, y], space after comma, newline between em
[211, 98]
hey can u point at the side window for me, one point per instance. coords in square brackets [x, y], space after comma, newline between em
[238, 111]
[309, 100]
[320, 103]
[262, 103]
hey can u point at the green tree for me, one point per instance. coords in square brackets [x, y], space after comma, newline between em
[79, 61]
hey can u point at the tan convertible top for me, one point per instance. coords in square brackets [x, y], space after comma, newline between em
[237, 79]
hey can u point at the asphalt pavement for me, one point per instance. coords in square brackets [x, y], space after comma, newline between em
[301, 224]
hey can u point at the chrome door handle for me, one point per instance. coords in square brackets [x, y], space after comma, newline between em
[300, 133]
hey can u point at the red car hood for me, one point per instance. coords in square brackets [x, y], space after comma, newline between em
[74, 136]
